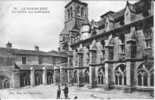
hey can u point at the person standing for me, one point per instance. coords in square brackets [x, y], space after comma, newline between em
[58, 92]
[66, 91]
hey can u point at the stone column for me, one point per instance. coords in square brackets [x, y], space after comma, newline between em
[54, 75]
[92, 79]
[15, 81]
[68, 71]
[80, 64]
[32, 77]
[78, 77]
[68, 76]
[61, 75]
[44, 75]
[108, 67]
[130, 64]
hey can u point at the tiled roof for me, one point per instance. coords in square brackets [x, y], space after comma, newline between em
[12, 51]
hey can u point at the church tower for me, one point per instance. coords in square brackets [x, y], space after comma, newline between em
[76, 14]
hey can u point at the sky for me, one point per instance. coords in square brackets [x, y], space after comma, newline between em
[25, 30]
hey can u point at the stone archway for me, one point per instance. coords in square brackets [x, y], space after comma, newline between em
[120, 75]
[24, 78]
[101, 76]
[145, 75]
[152, 78]
[38, 77]
[75, 78]
[86, 76]
[49, 77]
[4, 82]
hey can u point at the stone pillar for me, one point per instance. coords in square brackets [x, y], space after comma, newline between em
[15, 81]
[54, 75]
[32, 77]
[130, 64]
[68, 71]
[68, 76]
[92, 77]
[78, 77]
[61, 75]
[80, 64]
[108, 66]
[44, 75]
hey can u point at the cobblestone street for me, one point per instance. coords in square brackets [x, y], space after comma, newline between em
[49, 92]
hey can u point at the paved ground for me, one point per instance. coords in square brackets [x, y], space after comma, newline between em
[49, 92]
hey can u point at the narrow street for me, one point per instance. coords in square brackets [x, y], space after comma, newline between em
[49, 92]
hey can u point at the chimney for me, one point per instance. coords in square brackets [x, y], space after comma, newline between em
[9, 45]
[36, 48]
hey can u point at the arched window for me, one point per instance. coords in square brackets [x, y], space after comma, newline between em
[82, 12]
[86, 75]
[4, 82]
[152, 78]
[148, 37]
[143, 76]
[120, 75]
[101, 76]
[71, 12]
[75, 77]
[38, 77]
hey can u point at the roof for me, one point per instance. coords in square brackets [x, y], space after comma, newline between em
[118, 14]
[13, 51]
[137, 7]
[77, 1]
[108, 13]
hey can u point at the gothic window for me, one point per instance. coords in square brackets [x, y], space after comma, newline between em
[71, 12]
[152, 79]
[94, 56]
[148, 43]
[68, 14]
[101, 76]
[120, 75]
[144, 77]
[88, 58]
[80, 60]
[75, 77]
[23, 60]
[78, 10]
[111, 53]
[122, 45]
[82, 11]
[148, 38]
[133, 51]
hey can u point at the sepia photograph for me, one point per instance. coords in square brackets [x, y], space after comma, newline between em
[77, 49]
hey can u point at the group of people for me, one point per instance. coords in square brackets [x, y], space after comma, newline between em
[66, 90]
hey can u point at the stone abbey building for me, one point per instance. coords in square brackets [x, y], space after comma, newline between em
[19, 67]
[114, 52]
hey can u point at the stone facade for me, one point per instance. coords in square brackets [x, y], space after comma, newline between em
[116, 51]
[28, 67]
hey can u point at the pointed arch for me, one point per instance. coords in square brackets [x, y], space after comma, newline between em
[101, 75]
[120, 74]
[93, 45]
[143, 75]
